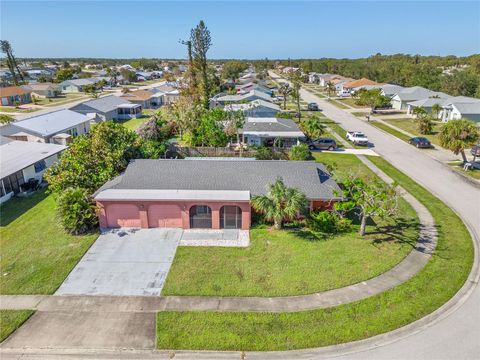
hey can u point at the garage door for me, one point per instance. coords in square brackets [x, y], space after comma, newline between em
[164, 216]
[123, 215]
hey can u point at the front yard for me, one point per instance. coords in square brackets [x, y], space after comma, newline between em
[294, 262]
[37, 254]
[61, 99]
[441, 278]
[410, 126]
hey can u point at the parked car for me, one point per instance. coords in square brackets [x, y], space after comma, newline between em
[420, 142]
[475, 151]
[343, 93]
[322, 144]
[357, 138]
[313, 107]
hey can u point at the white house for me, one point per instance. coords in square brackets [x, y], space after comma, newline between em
[109, 108]
[57, 127]
[271, 132]
[401, 99]
[76, 85]
[467, 108]
[22, 161]
[256, 108]
[239, 98]
[44, 90]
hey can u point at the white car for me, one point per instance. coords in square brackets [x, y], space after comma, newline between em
[343, 93]
[357, 138]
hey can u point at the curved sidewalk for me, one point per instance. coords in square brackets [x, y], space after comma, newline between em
[403, 271]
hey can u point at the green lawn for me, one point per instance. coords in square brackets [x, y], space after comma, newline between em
[36, 254]
[62, 99]
[337, 104]
[133, 124]
[458, 166]
[390, 130]
[11, 320]
[11, 109]
[351, 102]
[410, 126]
[292, 262]
[360, 113]
[441, 278]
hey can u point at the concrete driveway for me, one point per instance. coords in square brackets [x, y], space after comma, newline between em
[124, 262]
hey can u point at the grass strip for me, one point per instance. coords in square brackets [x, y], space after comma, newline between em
[11, 320]
[390, 130]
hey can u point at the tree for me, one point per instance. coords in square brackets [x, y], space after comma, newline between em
[113, 73]
[285, 90]
[64, 74]
[425, 125]
[76, 211]
[128, 75]
[6, 119]
[368, 199]
[210, 130]
[94, 158]
[312, 127]
[330, 88]
[281, 203]
[436, 108]
[299, 152]
[419, 112]
[458, 135]
[91, 89]
[296, 79]
[232, 69]
[11, 61]
[201, 41]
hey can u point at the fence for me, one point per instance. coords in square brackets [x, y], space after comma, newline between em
[207, 151]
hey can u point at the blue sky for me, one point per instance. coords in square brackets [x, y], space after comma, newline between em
[241, 29]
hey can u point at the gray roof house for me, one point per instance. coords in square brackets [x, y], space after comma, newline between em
[205, 193]
[238, 98]
[461, 107]
[401, 99]
[56, 127]
[255, 108]
[22, 161]
[262, 131]
[109, 107]
[77, 85]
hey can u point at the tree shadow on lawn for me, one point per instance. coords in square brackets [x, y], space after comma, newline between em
[17, 206]
[396, 232]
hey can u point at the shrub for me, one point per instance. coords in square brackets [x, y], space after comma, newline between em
[299, 152]
[76, 211]
[328, 222]
[264, 153]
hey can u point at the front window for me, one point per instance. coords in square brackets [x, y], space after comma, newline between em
[40, 166]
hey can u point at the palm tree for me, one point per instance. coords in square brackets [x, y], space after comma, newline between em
[436, 108]
[458, 135]
[312, 127]
[419, 112]
[280, 203]
[285, 90]
[330, 88]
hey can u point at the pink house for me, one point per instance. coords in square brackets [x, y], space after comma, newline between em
[204, 192]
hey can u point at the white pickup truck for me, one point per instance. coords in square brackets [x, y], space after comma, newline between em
[357, 138]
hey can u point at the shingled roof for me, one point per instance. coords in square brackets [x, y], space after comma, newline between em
[310, 177]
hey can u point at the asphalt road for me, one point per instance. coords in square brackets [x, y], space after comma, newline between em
[458, 335]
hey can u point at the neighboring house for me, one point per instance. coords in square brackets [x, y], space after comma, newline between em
[109, 108]
[340, 83]
[57, 127]
[76, 85]
[461, 107]
[170, 93]
[146, 98]
[391, 90]
[45, 90]
[37, 73]
[13, 95]
[323, 79]
[239, 98]
[256, 108]
[352, 84]
[21, 161]
[207, 193]
[245, 88]
[401, 99]
[271, 132]
[143, 75]
[426, 104]
[246, 78]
